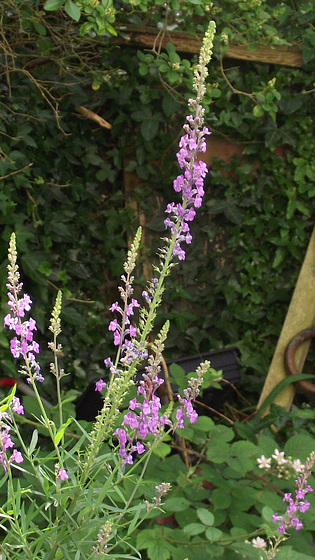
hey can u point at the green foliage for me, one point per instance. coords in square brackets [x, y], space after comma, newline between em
[61, 173]
[217, 507]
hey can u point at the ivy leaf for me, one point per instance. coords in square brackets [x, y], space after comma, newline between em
[72, 10]
[308, 52]
[149, 129]
[276, 136]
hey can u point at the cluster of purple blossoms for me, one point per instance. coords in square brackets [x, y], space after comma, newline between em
[124, 331]
[190, 183]
[23, 345]
[120, 332]
[143, 418]
[299, 504]
[186, 410]
[6, 442]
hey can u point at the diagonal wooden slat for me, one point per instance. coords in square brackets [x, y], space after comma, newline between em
[300, 316]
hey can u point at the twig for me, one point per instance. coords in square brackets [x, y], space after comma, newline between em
[17, 171]
[94, 117]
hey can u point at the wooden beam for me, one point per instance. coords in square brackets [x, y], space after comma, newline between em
[148, 36]
[300, 316]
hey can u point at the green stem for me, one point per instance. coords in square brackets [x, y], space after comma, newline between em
[16, 525]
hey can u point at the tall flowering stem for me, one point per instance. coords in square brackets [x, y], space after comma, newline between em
[124, 368]
[132, 342]
[55, 328]
[296, 505]
[190, 183]
[23, 344]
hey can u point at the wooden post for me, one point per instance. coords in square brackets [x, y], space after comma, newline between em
[300, 315]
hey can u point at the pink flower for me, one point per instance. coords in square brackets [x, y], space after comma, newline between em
[99, 385]
[62, 474]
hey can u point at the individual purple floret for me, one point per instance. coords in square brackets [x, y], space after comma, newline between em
[99, 385]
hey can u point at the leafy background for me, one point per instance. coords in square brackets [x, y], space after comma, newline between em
[74, 191]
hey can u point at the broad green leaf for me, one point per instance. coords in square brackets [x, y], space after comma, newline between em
[204, 423]
[194, 529]
[213, 534]
[300, 446]
[267, 513]
[220, 498]
[218, 453]
[205, 516]
[162, 449]
[176, 504]
[72, 10]
[52, 5]
[149, 129]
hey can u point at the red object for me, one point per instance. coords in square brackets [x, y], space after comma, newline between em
[8, 382]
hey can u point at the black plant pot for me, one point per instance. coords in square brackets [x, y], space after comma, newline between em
[226, 359]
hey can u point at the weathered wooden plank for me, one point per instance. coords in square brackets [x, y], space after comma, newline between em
[300, 315]
[149, 36]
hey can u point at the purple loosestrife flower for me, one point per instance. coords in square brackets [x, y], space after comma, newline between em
[143, 415]
[143, 418]
[299, 504]
[190, 183]
[186, 410]
[23, 345]
[7, 459]
[131, 342]
[124, 332]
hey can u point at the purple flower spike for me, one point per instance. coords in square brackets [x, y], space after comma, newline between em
[298, 504]
[23, 344]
